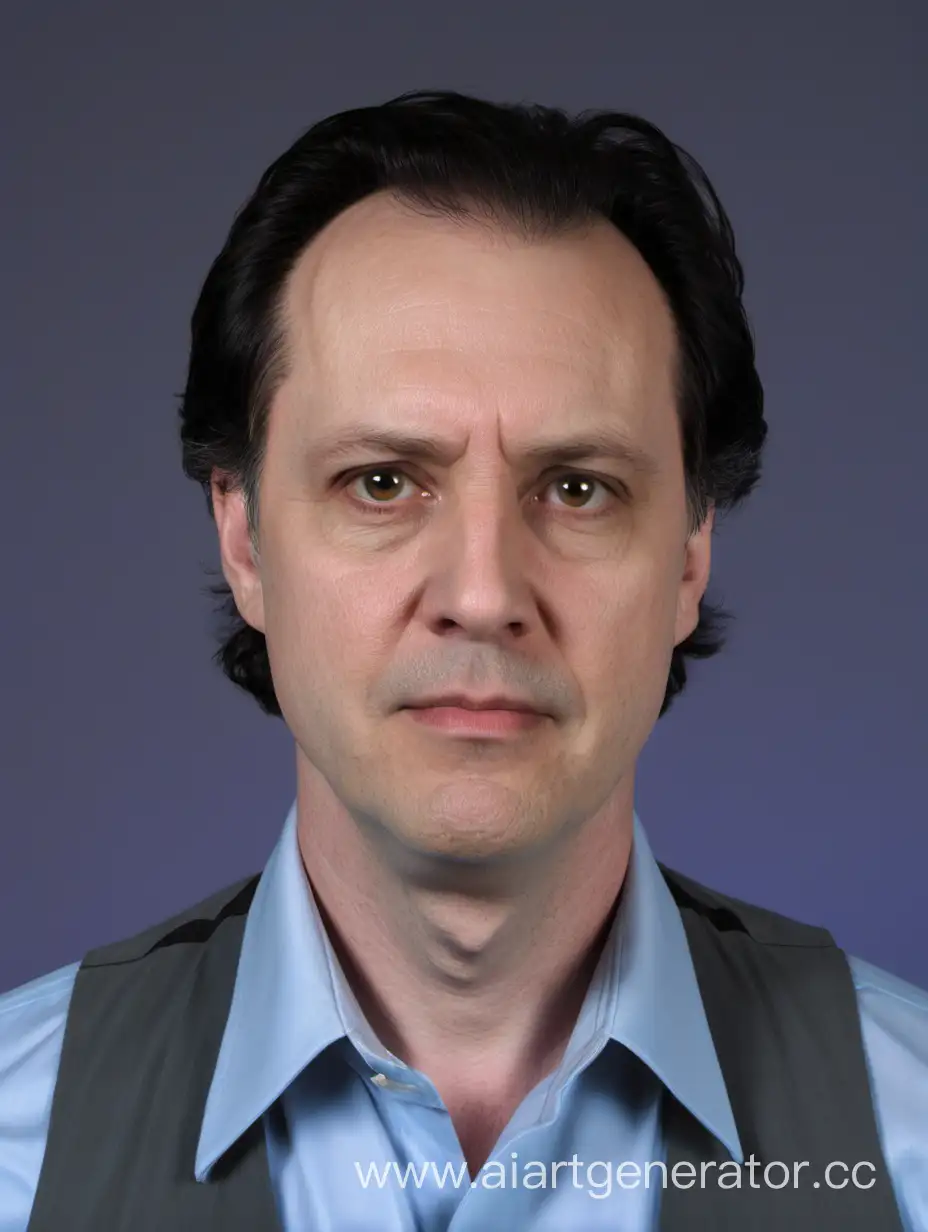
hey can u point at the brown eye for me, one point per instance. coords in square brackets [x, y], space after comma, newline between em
[381, 484]
[577, 487]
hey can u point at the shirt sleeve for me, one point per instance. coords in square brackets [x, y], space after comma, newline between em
[894, 1023]
[32, 1022]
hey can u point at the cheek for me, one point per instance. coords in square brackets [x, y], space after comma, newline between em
[325, 620]
[624, 630]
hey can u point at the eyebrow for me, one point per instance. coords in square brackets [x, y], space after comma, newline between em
[597, 442]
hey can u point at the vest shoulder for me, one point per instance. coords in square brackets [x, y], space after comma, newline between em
[726, 912]
[194, 924]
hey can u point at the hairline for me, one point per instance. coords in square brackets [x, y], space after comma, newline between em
[466, 206]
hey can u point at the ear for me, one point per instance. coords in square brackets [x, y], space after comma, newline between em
[695, 579]
[238, 559]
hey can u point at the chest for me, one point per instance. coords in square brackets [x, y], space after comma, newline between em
[353, 1154]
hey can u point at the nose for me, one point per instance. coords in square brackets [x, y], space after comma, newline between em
[478, 583]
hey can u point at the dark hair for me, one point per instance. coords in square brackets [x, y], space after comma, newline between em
[527, 167]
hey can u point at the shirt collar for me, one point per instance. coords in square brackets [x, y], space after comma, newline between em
[291, 1000]
[652, 995]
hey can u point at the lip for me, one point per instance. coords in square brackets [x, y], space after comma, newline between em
[476, 721]
[461, 702]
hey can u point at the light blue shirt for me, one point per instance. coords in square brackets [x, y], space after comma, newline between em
[298, 1052]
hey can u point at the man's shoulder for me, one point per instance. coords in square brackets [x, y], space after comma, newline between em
[760, 923]
[32, 1020]
[32, 1010]
[32, 1024]
[33, 1015]
[193, 924]
[869, 976]
[892, 1008]
[894, 1026]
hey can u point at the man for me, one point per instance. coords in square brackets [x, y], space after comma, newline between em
[467, 386]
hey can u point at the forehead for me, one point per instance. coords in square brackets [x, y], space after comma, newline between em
[385, 300]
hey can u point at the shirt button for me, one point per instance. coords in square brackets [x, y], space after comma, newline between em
[390, 1084]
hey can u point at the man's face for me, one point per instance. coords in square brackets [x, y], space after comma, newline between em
[386, 575]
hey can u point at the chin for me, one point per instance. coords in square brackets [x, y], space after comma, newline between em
[477, 823]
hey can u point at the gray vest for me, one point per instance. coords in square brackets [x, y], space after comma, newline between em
[147, 1016]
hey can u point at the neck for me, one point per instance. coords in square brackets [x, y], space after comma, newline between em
[474, 977]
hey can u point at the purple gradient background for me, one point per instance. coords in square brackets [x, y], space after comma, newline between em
[134, 778]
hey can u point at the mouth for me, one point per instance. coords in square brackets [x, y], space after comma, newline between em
[470, 722]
